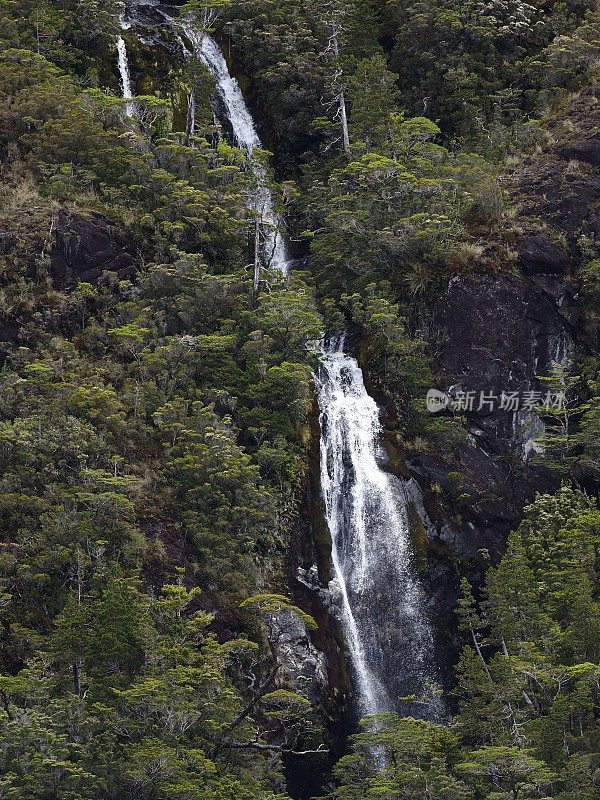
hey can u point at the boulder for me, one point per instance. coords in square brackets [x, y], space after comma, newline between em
[304, 667]
[7, 242]
[86, 246]
[538, 253]
[587, 150]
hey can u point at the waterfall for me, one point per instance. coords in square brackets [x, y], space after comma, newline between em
[124, 72]
[246, 137]
[124, 68]
[383, 608]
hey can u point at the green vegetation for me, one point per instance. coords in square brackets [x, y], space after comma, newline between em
[528, 680]
[153, 433]
[155, 410]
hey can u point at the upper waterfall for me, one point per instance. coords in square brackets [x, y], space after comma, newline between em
[383, 605]
[125, 74]
[246, 137]
[124, 68]
[229, 90]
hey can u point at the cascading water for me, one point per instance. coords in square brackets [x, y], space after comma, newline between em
[383, 606]
[123, 64]
[382, 603]
[124, 68]
[244, 132]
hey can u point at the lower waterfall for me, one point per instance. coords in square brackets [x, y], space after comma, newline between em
[383, 608]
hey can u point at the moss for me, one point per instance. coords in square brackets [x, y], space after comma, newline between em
[419, 539]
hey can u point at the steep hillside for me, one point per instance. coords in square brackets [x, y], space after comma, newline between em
[230, 524]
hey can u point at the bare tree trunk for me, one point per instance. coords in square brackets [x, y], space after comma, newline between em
[256, 256]
[341, 98]
[344, 122]
[77, 677]
[191, 118]
[479, 653]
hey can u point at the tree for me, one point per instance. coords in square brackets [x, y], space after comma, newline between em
[513, 602]
[561, 408]
[413, 758]
[204, 13]
[398, 361]
[469, 620]
[373, 95]
[290, 318]
[506, 769]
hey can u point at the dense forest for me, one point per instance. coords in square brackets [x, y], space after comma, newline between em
[167, 569]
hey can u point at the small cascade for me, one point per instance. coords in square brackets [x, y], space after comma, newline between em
[123, 64]
[383, 608]
[246, 137]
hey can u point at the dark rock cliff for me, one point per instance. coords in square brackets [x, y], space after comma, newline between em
[496, 332]
[88, 245]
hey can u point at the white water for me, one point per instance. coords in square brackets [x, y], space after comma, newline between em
[383, 607]
[123, 64]
[246, 137]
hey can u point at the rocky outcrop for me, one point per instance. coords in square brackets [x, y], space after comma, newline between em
[304, 666]
[86, 245]
[497, 334]
[587, 150]
[538, 253]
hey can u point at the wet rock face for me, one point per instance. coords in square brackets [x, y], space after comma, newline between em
[88, 245]
[148, 18]
[148, 21]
